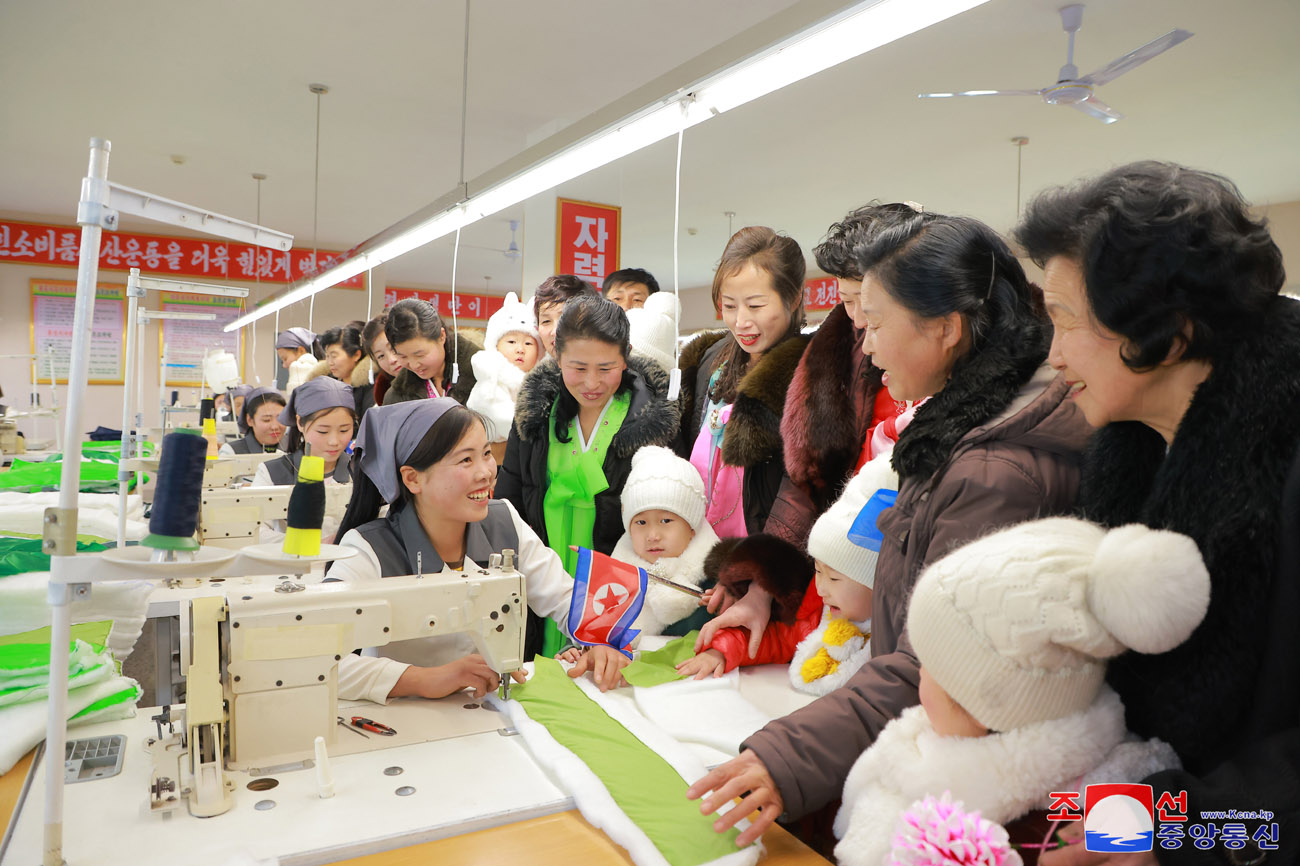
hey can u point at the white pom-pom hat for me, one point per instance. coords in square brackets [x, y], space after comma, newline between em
[1017, 626]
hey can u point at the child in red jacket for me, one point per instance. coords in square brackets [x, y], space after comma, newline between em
[828, 638]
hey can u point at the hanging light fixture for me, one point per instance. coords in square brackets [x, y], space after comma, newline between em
[612, 133]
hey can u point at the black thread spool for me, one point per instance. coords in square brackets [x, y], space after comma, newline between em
[176, 500]
[207, 409]
[306, 513]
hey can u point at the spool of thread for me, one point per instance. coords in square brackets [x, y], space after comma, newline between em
[178, 493]
[208, 416]
[306, 509]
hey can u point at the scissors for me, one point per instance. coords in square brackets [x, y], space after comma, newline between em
[373, 726]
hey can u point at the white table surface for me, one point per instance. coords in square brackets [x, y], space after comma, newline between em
[462, 784]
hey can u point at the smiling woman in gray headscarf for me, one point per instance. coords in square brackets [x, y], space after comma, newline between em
[429, 460]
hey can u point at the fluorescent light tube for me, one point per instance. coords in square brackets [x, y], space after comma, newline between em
[856, 30]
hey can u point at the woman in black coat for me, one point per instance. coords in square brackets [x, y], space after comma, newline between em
[1164, 294]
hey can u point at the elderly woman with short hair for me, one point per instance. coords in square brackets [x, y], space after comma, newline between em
[1169, 326]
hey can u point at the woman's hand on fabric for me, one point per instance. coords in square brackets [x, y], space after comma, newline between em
[1073, 852]
[469, 672]
[709, 663]
[606, 665]
[751, 612]
[748, 778]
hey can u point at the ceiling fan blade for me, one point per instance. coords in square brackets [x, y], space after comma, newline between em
[1096, 108]
[1136, 58]
[980, 93]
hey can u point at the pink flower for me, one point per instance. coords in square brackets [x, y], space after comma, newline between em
[939, 832]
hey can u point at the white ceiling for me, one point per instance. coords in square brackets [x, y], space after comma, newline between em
[225, 85]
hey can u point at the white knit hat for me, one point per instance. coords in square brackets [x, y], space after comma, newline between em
[1016, 626]
[513, 316]
[653, 328]
[661, 479]
[830, 539]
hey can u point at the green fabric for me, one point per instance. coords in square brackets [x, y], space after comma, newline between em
[574, 477]
[22, 555]
[40, 690]
[93, 633]
[112, 448]
[645, 786]
[96, 476]
[119, 705]
[659, 666]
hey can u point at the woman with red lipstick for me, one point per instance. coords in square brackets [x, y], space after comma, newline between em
[950, 317]
[579, 419]
[734, 382]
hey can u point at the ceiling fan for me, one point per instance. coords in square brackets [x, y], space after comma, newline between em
[1075, 90]
[512, 252]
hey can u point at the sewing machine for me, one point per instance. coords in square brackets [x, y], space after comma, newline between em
[262, 667]
[231, 517]
[218, 472]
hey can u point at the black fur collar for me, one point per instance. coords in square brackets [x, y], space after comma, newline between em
[651, 419]
[1221, 484]
[981, 387]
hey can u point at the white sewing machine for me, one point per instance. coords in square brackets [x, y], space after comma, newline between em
[262, 666]
[231, 518]
[217, 472]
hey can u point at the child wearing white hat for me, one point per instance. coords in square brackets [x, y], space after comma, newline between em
[652, 329]
[667, 535]
[511, 348]
[829, 637]
[1013, 632]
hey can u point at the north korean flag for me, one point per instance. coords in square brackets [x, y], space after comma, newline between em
[607, 598]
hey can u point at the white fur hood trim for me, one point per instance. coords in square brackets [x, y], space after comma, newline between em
[664, 606]
[492, 366]
[851, 655]
[496, 387]
[1002, 775]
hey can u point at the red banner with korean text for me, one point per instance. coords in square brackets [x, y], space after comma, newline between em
[587, 239]
[468, 306]
[820, 293]
[161, 255]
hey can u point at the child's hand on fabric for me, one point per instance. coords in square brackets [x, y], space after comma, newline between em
[709, 663]
[606, 665]
[570, 655]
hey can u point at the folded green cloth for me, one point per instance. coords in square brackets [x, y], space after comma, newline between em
[657, 667]
[20, 555]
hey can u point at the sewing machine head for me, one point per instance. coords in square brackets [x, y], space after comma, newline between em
[280, 651]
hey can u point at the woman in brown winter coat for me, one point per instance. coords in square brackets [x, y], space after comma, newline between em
[950, 317]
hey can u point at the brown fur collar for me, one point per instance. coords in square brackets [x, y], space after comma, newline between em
[824, 426]
[754, 431]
